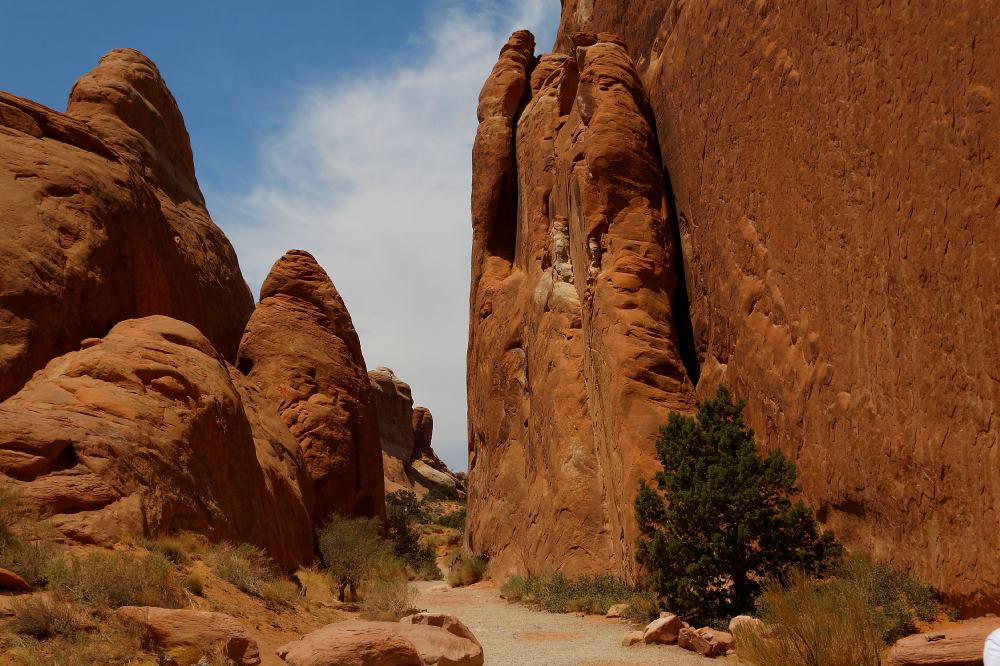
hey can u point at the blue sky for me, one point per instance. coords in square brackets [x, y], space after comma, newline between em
[341, 128]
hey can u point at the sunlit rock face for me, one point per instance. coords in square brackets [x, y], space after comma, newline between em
[573, 356]
[836, 184]
[103, 221]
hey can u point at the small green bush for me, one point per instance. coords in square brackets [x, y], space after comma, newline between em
[402, 510]
[352, 550]
[101, 580]
[194, 584]
[443, 493]
[246, 566]
[465, 571]
[554, 592]
[455, 520]
[899, 601]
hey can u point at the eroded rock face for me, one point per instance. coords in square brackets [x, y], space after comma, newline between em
[103, 221]
[149, 431]
[573, 357]
[836, 183]
[408, 460]
[300, 348]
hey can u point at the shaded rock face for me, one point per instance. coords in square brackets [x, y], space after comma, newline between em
[836, 181]
[573, 357]
[149, 431]
[300, 348]
[103, 221]
[408, 460]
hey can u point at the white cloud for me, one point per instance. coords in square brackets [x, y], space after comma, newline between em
[372, 176]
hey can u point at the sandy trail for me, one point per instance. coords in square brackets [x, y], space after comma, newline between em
[513, 635]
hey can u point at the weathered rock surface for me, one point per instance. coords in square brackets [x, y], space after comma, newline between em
[961, 645]
[352, 644]
[149, 431]
[169, 628]
[103, 221]
[704, 641]
[441, 639]
[836, 181]
[408, 460]
[300, 348]
[573, 358]
[664, 629]
[631, 638]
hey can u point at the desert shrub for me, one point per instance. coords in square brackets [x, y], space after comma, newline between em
[44, 617]
[26, 543]
[352, 550]
[246, 566]
[554, 592]
[466, 571]
[723, 521]
[898, 600]
[114, 643]
[388, 600]
[194, 584]
[402, 510]
[443, 493]
[455, 520]
[103, 580]
[425, 570]
[813, 622]
[172, 549]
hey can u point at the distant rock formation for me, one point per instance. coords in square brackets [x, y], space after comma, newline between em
[408, 460]
[573, 357]
[103, 221]
[300, 348]
[149, 431]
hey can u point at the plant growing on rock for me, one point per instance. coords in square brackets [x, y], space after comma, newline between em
[722, 519]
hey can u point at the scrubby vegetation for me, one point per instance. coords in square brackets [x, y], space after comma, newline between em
[554, 592]
[352, 550]
[403, 511]
[465, 571]
[252, 570]
[455, 520]
[441, 492]
[722, 520]
[845, 619]
[102, 580]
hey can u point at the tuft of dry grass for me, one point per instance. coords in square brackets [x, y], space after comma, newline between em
[811, 622]
[388, 600]
[43, 617]
[194, 584]
[465, 571]
[115, 643]
[253, 571]
[103, 580]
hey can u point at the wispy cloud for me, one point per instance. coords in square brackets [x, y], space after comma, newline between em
[372, 175]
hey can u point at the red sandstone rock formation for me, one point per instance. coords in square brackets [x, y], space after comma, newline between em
[103, 221]
[300, 348]
[408, 460]
[836, 181]
[149, 431]
[573, 357]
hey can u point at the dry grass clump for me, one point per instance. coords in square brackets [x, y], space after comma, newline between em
[26, 545]
[809, 622]
[465, 571]
[252, 570]
[102, 580]
[388, 600]
[114, 643]
[554, 592]
[179, 548]
[43, 617]
[194, 584]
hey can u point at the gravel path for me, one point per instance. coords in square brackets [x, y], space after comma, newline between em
[513, 635]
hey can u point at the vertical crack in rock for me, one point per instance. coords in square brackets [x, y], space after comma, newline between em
[681, 305]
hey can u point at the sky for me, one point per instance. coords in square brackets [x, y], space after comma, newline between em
[340, 128]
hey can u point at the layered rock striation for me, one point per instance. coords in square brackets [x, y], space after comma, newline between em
[573, 358]
[104, 221]
[300, 348]
[408, 460]
[836, 179]
[149, 431]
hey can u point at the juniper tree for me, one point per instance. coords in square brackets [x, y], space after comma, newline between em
[722, 518]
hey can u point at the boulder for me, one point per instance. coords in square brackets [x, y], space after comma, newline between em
[301, 350]
[802, 280]
[445, 621]
[104, 222]
[720, 641]
[441, 639]
[149, 431]
[744, 620]
[352, 644]
[697, 641]
[11, 581]
[573, 360]
[408, 460]
[960, 645]
[616, 610]
[665, 629]
[169, 628]
[631, 638]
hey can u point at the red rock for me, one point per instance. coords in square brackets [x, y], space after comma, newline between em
[840, 252]
[300, 348]
[104, 221]
[961, 645]
[665, 630]
[631, 638]
[408, 460]
[744, 620]
[170, 628]
[720, 641]
[705, 644]
[441, 639]
[573, 358]
[11, 581]
[102, 439]
[352, 644]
